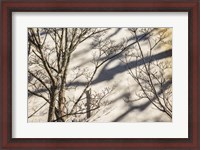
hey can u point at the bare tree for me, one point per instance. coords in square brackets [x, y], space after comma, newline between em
[153, 76]
[48, 62]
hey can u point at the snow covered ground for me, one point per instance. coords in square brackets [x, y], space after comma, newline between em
[119, 105]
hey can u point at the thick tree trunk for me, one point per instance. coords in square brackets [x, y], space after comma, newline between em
[88, 92]
[52, 106]
[62, 99]
[62, 105]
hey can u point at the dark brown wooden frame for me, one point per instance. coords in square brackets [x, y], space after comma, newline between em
[7, 7]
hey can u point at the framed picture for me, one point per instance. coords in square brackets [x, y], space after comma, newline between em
[100, 74]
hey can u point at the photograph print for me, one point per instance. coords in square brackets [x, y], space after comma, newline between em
[99, 74]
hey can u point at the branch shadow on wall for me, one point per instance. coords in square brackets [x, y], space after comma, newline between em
[143, 106]
[108, 74]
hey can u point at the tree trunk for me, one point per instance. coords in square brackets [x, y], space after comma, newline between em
[62, 99]
[88, 92]
[62, 104]
[52, 106]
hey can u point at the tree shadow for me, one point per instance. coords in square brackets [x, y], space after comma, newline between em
[143, 106]
[108, 74]
[112, 34]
